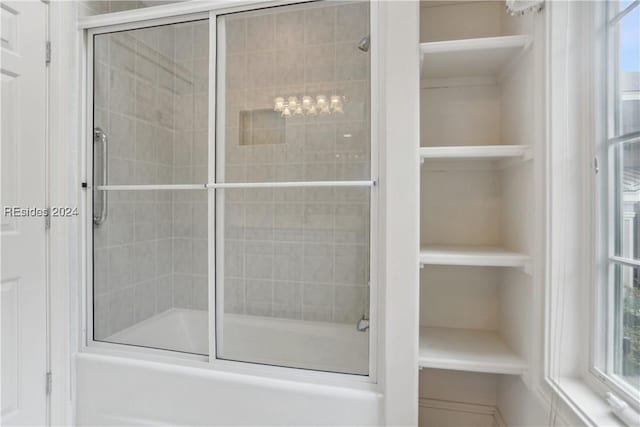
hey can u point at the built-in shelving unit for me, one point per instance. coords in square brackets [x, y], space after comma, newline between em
[472, 57]
[478, 142]
[483, 256]
[476, 152]
[467, 350]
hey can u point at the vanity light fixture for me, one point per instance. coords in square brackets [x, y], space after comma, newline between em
[308, 105]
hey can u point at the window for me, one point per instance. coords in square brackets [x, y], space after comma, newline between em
[620, 361]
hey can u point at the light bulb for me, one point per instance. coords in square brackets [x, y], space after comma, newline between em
[321, 101]
[307, 102]
[297, 111]
[286, 112]
[312, 111]
[325, 110]
[336, 104]
[278, 104]
[293, 102]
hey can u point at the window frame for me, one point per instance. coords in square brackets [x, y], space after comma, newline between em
[603, 328]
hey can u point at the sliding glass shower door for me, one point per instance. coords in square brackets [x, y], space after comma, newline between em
[257, 236]
[150, 118]
[293, 139]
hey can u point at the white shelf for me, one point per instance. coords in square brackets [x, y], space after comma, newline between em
[484, 57]
[476, 152]
[467, 350]
[488, 256]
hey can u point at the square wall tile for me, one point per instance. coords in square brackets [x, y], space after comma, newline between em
[200, 293]
[260, 32]
[145, 300]
[320, 25]
[290, 29]
[318, 263]
[287, 300]
[349, 303]
[258, 260]
[234, 295]
[259, 297]
[121, 309]
[183, 290]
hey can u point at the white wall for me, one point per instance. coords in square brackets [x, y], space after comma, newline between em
[519, 401]
[519, 406]
[399, 185]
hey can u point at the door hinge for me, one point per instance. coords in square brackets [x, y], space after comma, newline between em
[47, 221]
[596, 165]
[48, 380]
[47, 53]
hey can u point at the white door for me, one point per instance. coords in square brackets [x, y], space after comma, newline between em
[22, 239]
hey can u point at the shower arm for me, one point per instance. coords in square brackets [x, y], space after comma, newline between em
[100, 137]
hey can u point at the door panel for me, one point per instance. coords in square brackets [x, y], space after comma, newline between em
[23, 280]
[293, 109]
[150, 104]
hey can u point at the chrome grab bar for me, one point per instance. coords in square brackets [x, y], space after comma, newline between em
[100, 137]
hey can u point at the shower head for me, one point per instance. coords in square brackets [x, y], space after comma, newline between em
[363, 44]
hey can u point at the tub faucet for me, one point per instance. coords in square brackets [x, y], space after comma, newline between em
[363, 324]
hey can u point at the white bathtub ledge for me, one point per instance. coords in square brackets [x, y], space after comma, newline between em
[111, 388]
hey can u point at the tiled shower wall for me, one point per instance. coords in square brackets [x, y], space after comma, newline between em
[297, 253]
[146, 257]
[292, 253]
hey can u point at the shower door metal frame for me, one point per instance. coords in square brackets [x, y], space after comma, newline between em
[179, 13]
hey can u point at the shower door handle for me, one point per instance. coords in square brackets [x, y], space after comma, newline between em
[99, 137]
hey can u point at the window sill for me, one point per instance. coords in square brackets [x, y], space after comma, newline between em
[584, 403]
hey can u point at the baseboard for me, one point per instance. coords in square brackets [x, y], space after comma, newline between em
[498, 420]
[464, 407]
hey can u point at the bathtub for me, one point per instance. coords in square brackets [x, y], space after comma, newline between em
[272, 341]
[115, 390]
[323, 346]
[175, 329]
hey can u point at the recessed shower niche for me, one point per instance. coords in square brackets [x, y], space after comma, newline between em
[259, 127]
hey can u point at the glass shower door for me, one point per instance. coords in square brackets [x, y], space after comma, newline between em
[291, 198]
[150, 206]
[294, 186]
